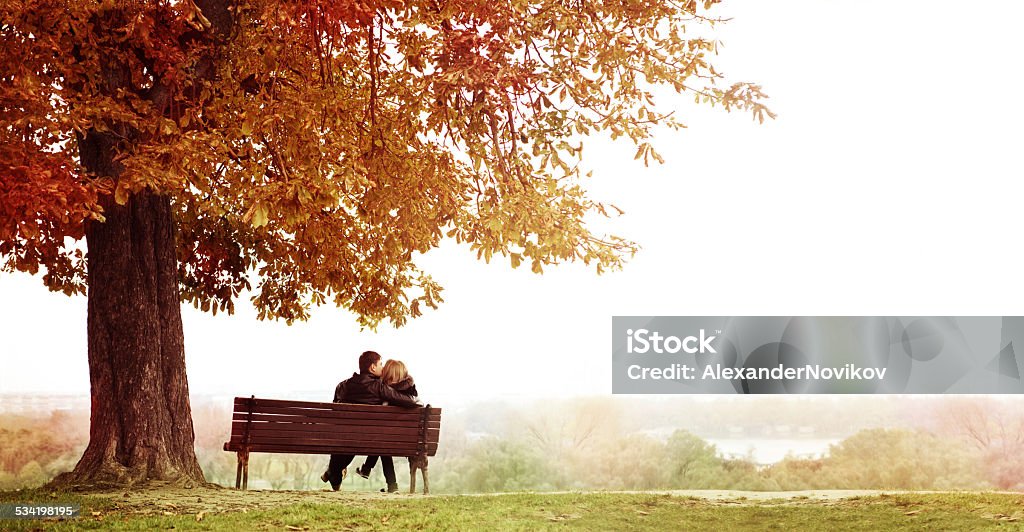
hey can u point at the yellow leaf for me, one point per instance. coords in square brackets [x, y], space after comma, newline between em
[121, 195]
[259, 215]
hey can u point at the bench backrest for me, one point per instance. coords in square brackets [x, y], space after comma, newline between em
[276, 426]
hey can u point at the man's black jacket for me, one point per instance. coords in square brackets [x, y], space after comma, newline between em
[366, 389]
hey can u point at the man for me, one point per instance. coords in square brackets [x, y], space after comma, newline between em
[365, 388]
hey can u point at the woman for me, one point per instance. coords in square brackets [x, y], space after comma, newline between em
[395, 375]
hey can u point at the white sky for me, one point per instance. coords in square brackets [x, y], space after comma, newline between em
[889, 185]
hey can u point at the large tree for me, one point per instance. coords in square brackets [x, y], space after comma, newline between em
[313, 147]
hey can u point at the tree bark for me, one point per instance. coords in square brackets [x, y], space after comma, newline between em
[141, 426]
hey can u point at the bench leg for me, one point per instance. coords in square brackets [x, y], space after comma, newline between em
[238, 472]
[245, 471]
[426, 483]
[412, 474]
[418, 462]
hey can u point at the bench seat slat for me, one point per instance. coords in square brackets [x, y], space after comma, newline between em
[299, 423]
[332, 437]
[237, 439]
[431, 450]
[276, 418]
[340, 414]
[340, 425]
[295, 428]
[384, 413]
[242, 404]
[432, 437]
[329, 442]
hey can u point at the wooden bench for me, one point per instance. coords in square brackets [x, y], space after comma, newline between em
[303, 427]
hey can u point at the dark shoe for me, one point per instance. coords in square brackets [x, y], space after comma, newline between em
[326, 478]
[392, 488]
[360, 472]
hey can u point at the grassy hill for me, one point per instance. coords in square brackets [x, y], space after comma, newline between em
[226, 509]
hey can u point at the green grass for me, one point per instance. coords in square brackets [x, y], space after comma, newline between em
[230, 510]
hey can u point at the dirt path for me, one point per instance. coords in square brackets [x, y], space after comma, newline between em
[172, 500]
[817, 495]
[163, 500]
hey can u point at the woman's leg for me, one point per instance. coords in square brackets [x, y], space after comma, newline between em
[389, 473]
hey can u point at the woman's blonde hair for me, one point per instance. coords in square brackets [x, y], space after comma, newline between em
[394, 372]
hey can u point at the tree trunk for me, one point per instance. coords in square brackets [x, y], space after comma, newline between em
[141, 425]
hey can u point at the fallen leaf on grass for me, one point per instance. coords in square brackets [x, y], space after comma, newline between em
[384, 520]
[915, 512]
[200, 516]
[168, 513]
[641, 512]
[96, 514]
[290, 527]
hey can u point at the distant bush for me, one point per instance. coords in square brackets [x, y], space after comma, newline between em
[494, 465]
[904, 459]
[33, 450]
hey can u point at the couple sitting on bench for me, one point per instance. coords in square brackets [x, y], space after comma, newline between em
[375, 384]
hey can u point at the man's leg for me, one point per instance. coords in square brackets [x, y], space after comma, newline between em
[338, 463]
[388, 464]
[368, 465]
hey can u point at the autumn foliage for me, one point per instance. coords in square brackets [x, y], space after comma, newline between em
[322, 145]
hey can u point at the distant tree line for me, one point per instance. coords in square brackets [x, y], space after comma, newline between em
[587, 444]
[871, 459]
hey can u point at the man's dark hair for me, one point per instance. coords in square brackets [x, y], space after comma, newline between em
[367, 359]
